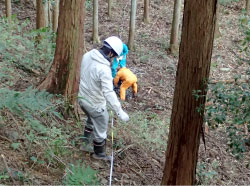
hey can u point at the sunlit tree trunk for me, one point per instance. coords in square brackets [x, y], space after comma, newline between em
[55, 16]
[191, 79]
[217, 32]
[41, 14]
[8, 9]
[248, 6]
[64, 75]
[95, 35]
[146, 18]
[34, 3]
[132, 25]
[109, 7]
[49, 12]
[174, 44]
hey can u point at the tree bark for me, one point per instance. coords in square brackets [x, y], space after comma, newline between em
[109, 7]
[41, 14]
[49, 12]
[192, 75]
[248, 6]
[64, 75]
[95, 36]
[8, 9]
[174, 45]
[132, 25]
[55, 16]
[146, 18]
[217, 32]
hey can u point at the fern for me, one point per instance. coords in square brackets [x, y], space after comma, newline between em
[80, 175]
[19, 48]
[29, 105]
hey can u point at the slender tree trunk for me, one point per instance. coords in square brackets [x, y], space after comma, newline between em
[41, 14]
[64, 75]
[8, 9]
[109, 7]
[146, 18]
[174, 45]
[34, 3]
[55, 16]
[217, 32]
[132, 25]
[95, 35]
[192, 75]
[49, 12]
[248, 6]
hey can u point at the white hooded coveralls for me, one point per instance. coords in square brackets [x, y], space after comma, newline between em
[95, 90]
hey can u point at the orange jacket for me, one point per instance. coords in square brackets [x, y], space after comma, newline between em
[128, 79]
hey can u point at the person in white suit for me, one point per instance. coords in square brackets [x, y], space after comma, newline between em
[95, 92]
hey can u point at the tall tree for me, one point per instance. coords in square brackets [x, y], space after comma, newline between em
[109, 7]
[95, 35]
[8, 9]
[132, 25]
[146, 18]
[55, 15]
[217, 32]
[248, 6]
[192, 74]
[174, 44]
[64, 74]
[41, 14]
[49, 12]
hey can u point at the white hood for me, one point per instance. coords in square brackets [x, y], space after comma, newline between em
[96, 82]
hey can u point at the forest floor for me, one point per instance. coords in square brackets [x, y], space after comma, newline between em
[135, 162]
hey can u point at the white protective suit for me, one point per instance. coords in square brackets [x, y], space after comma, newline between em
[96, 87]
[96, 82]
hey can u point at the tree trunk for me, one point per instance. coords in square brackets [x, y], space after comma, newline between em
[41, 14]
[217, 32]
[146, 12]
[192, 75]
[174, 45]
[109, 7]
[64, 75]
[49, 12]
[248, 6]
[132, 25]
[8, 9]
[95, 36]
[55, 16]
[34, 3]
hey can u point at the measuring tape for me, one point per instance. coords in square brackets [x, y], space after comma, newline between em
[112, 155]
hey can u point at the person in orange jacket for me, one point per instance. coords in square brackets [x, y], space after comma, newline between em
[128, 79]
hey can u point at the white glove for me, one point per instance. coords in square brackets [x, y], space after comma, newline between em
[123, 115]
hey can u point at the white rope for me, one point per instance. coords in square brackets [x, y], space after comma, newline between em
[112, 155]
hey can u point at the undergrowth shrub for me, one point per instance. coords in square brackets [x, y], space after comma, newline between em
[79, 174]
[205, 173]
[24, 49]
[147, 129]
[37, 110]
[231, 107]
[231, 102]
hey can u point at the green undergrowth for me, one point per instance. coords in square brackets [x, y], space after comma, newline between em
[32, 121]
[146, 129]
[30, 51]
[79, 174]
[37, 130]
[230, 102]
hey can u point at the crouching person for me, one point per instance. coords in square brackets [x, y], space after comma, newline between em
[128, 79]
[95, 91]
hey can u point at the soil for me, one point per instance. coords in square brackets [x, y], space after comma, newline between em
[155, 68]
